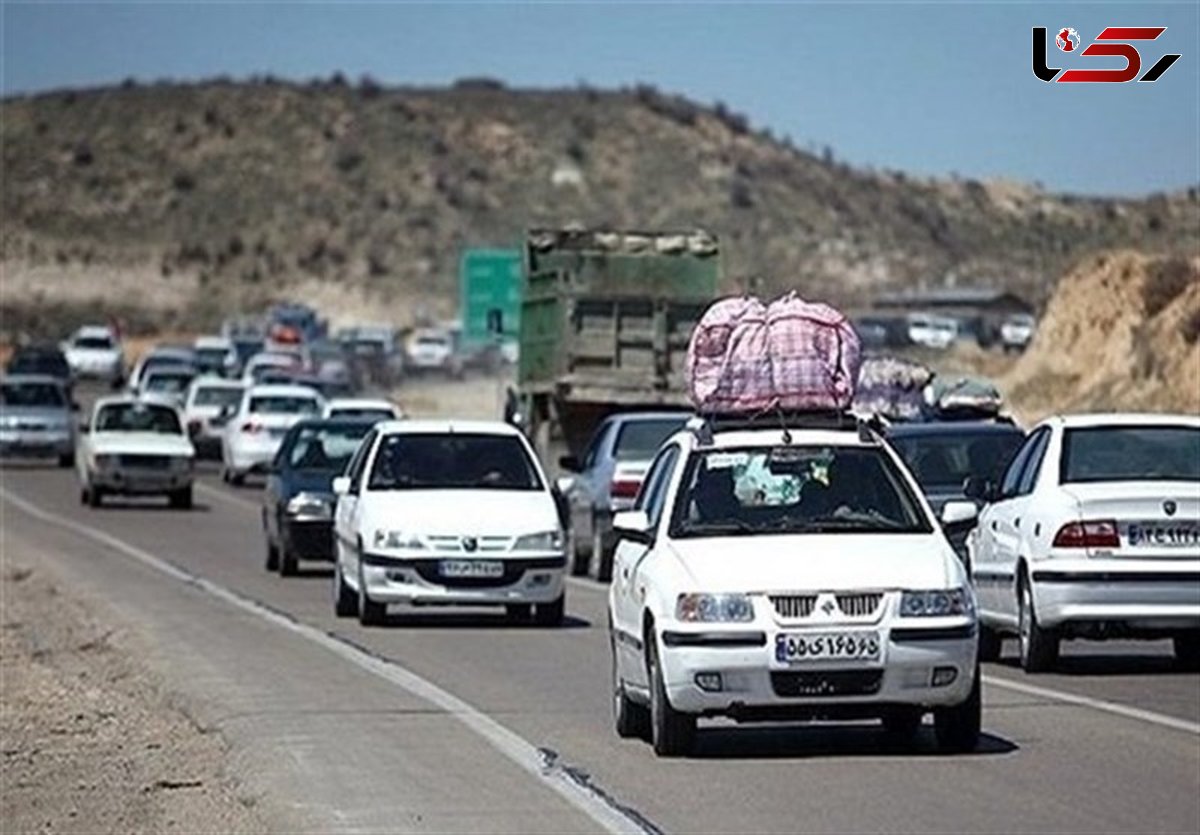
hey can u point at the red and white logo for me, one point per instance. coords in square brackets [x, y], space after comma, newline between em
[1067, 39]
[1113, 42]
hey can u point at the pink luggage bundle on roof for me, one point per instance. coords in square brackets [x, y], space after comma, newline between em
[796, 356]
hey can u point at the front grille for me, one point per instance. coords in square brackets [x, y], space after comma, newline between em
[825, 683]
[793, 605]
[859, 605]
[483, 544]
[146, 462]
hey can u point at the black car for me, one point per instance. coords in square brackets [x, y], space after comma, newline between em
[298, 500]
[45, 360]
[943, 455]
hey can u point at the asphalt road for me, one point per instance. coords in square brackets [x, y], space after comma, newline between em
[458, 722]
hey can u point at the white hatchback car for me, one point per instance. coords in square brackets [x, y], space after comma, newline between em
[799, 574]
[1093, 532]
[447, 513]
[254, 430]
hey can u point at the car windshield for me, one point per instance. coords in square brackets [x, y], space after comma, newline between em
[168, 382]
[217, 396]
[795, 490]
[1131, 453]
[283, 404]
[137, 417]
[247, 348]
[456, 461]
[326, 448]
[101, 343]
[945, 460]
[43, 395]
[638, 440]
[211, 355]
[365, 414]
[39, 363]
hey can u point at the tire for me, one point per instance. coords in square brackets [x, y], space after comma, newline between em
[181, 498]
[95, 496]
[671, 733]
[289, 564]
[1039, 647]
[66, 459]
[237, 479]
[345, 601]
[630, 720]
[551, 614]
[901, 726]
[272, 556]
[1187, 650]
[579, 555]
[83, 495]
[601, 563]
[370, 613]
[225, 475]
[518, 612]
[957, 728]
[990, 643]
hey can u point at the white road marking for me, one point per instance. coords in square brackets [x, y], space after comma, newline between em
[1115, 708]
[605, 811]
[224, 495]
[1153, 718]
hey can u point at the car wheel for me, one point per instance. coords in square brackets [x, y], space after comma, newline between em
[957, 728]
[345, 601]
[95, 496]
[579, 555]
[237, 479]
[181, 498]
[990, 643]
[66, 459]
[1187, 650]
[272, 556]
[289, 564]
[518, 612]
[83, 495]
[600, 565]
[1039, 647]
[901, 725]
[671, 732]
[551, 614]
[370, 613]
[630, 720]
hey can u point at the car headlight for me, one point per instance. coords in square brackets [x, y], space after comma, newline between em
[710, 608]
[310, 504]
[544, 541]
[397, 540]
[936, 603]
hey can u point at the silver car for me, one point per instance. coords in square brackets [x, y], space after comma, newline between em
[36, 418]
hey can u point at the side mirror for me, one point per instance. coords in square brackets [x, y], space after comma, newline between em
[564, 484]
[957, 513]
[570, 463]
[979, 488]
[633, 525]
[341, 485]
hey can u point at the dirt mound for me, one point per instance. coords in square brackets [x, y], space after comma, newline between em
[1121, 332]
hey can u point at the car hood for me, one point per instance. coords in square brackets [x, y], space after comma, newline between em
[461, 512]
[36, 413]
[816, 562]
[135, 443]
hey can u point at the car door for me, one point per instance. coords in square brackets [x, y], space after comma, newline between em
[273, 492]
[346, 514]
[1006, 526]
[629, 563]
[584, 491]
[987, 571]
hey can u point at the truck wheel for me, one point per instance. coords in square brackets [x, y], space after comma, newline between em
[957, 728]
[672, 733]
[551, 614]
[1039, 646]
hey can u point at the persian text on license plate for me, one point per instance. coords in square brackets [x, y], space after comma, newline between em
[827, 646]
[471, 568]
[1162, 534]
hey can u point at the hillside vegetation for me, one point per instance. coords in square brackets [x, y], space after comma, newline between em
[204, 196]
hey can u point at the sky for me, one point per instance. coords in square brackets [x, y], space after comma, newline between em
[929, 88]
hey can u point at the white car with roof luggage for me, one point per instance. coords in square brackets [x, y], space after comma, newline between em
[766, 574]
[452, 513]
[254, 429]
[1093, 532]
[133, 447]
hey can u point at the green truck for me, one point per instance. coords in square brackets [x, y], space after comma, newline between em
[605, 321]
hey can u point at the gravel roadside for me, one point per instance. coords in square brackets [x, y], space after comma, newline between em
[89, 741]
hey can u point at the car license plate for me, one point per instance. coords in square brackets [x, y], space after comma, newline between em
[827, 646]
[471, 568]
[1162, 534]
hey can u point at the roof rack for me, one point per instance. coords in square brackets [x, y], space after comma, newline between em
[704, 427]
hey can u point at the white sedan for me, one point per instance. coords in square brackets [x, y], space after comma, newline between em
[1093, 532]
[94, 351]
[134, 447]
[772, 575]
[254, 429]
[447, 513]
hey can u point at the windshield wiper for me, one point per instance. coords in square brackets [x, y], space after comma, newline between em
[870, 521]
[720, 526]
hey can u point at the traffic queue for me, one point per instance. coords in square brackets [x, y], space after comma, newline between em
[818, 537]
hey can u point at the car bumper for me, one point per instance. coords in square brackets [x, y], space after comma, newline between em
[535, 579]
[309, 539]
[1139, 595]
[34, 444]
[140, 483]
[753, 685]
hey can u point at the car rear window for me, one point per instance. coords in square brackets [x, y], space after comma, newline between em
[138, 417]
[457, 461]
[946, 460]
[639, 440]
[281, 404]
[217, 396]
[102, 343]
[1131, 453]
[45, 395]
[326, 448]
[168, 382]
[364, 414]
